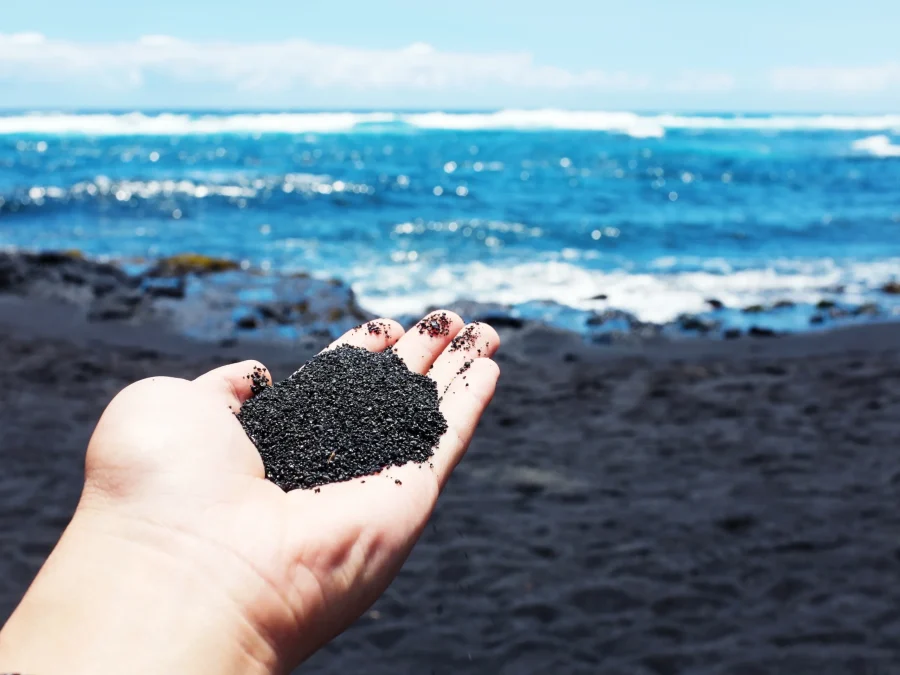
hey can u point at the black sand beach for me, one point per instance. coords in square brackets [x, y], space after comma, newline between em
[677, 507]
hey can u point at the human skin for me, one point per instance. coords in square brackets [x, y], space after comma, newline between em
[182, 558]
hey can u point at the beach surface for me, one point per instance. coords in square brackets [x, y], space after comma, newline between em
[696, 505]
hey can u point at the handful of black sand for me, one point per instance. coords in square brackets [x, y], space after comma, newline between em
[348, 412]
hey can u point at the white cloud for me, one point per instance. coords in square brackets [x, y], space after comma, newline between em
[692, 81]
[282, 66]
[860, 80]
[45, 69]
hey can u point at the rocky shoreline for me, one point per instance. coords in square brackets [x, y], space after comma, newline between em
[204, 297]
[215, 299]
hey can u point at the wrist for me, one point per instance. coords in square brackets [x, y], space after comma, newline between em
[122, 596]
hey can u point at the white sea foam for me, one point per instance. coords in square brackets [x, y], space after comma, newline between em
[627, 123]
[877, 146]
[170, 124]
[533, 120]
[661, 297]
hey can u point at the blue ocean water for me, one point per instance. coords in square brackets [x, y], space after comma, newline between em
[541, 210]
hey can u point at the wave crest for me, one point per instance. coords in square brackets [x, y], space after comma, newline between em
[877, 146]
[652, 297]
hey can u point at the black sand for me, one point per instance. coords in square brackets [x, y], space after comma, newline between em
[703, 507]
[346, 413]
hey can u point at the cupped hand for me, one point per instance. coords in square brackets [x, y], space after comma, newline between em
[172, 479]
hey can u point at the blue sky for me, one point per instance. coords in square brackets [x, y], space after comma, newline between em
[693, 55]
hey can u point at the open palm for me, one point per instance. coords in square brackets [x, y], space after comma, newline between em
[170, 461]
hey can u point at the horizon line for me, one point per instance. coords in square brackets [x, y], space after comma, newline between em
[188, 109]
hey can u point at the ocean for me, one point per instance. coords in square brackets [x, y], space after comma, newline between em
[556, 215]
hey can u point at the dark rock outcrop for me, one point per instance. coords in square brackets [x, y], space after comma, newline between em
[695, 324]
[183, 264]
[204, 297]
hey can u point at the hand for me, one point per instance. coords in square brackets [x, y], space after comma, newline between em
[182, 558]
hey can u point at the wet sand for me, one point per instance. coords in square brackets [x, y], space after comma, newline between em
[700, 506]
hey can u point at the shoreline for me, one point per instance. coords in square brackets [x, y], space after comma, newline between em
[218, 299]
